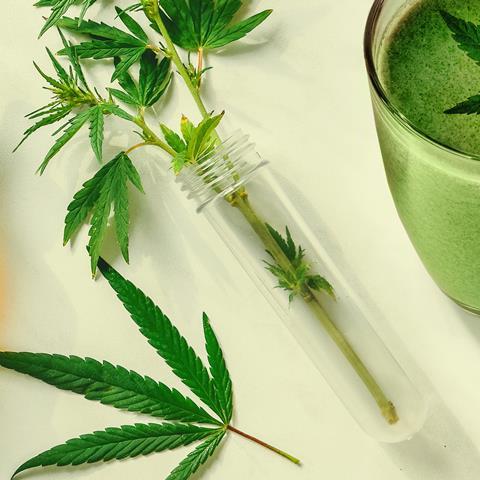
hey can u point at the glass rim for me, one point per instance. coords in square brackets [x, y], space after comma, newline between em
[369, 36]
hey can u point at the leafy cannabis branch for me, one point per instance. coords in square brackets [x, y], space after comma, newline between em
[141, 75]
[187, 421]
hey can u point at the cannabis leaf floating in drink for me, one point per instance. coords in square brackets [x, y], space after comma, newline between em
[467, 36]
[127, 390]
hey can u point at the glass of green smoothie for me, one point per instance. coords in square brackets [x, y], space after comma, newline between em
[432, 159]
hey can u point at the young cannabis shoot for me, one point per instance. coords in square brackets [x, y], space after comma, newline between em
[127, 390]
[199, 27]
[467, 36]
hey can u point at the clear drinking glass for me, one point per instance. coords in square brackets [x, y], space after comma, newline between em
[436, 189]
[336, 334]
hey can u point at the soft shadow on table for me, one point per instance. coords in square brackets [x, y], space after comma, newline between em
[442, 449]
[472, 322]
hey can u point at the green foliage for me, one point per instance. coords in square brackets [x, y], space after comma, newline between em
[198, 457]
[196, 144]
[108, 41]
[167, 341]
[194, 73]
[71, 95]
[194, 24]
[73, 126]
[128, 441]
[108, 187]
[127, 390]
[173, 139]
[296, 278]
[96, 130]
[59, 8]
[154, 79]
[218, 370]
[467, 36]
[109, 385]
[202, 138]
[206, 24]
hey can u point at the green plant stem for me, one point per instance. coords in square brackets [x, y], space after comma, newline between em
[200, 66]
[387, 408]
[289, 457]
[177, 61]
[138, 145]
[240, 200]
[153, 138]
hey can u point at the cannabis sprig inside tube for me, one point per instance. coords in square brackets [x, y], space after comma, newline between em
[197, 27]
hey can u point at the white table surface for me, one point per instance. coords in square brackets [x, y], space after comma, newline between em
[303, 94]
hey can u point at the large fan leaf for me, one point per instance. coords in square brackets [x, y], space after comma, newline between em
[108, 384]
[165, 338]
[117, 444]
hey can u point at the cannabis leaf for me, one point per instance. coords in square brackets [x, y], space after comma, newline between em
[154, 79]
[109, 385]
[167, 341]
[296, 277]
[59, 8]
[467, 36]
[108, 187]
[73, 126]
[198, 457]
[218, 370]
[108, 41]
[206, 24]
[128, 441]
[128, 390]
[71, 95]
[470, 106]
[196, 144]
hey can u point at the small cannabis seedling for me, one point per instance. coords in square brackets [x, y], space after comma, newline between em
[127, 390]
[298, 279]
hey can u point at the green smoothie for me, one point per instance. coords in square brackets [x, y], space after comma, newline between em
[425, 73]
[436, 192]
